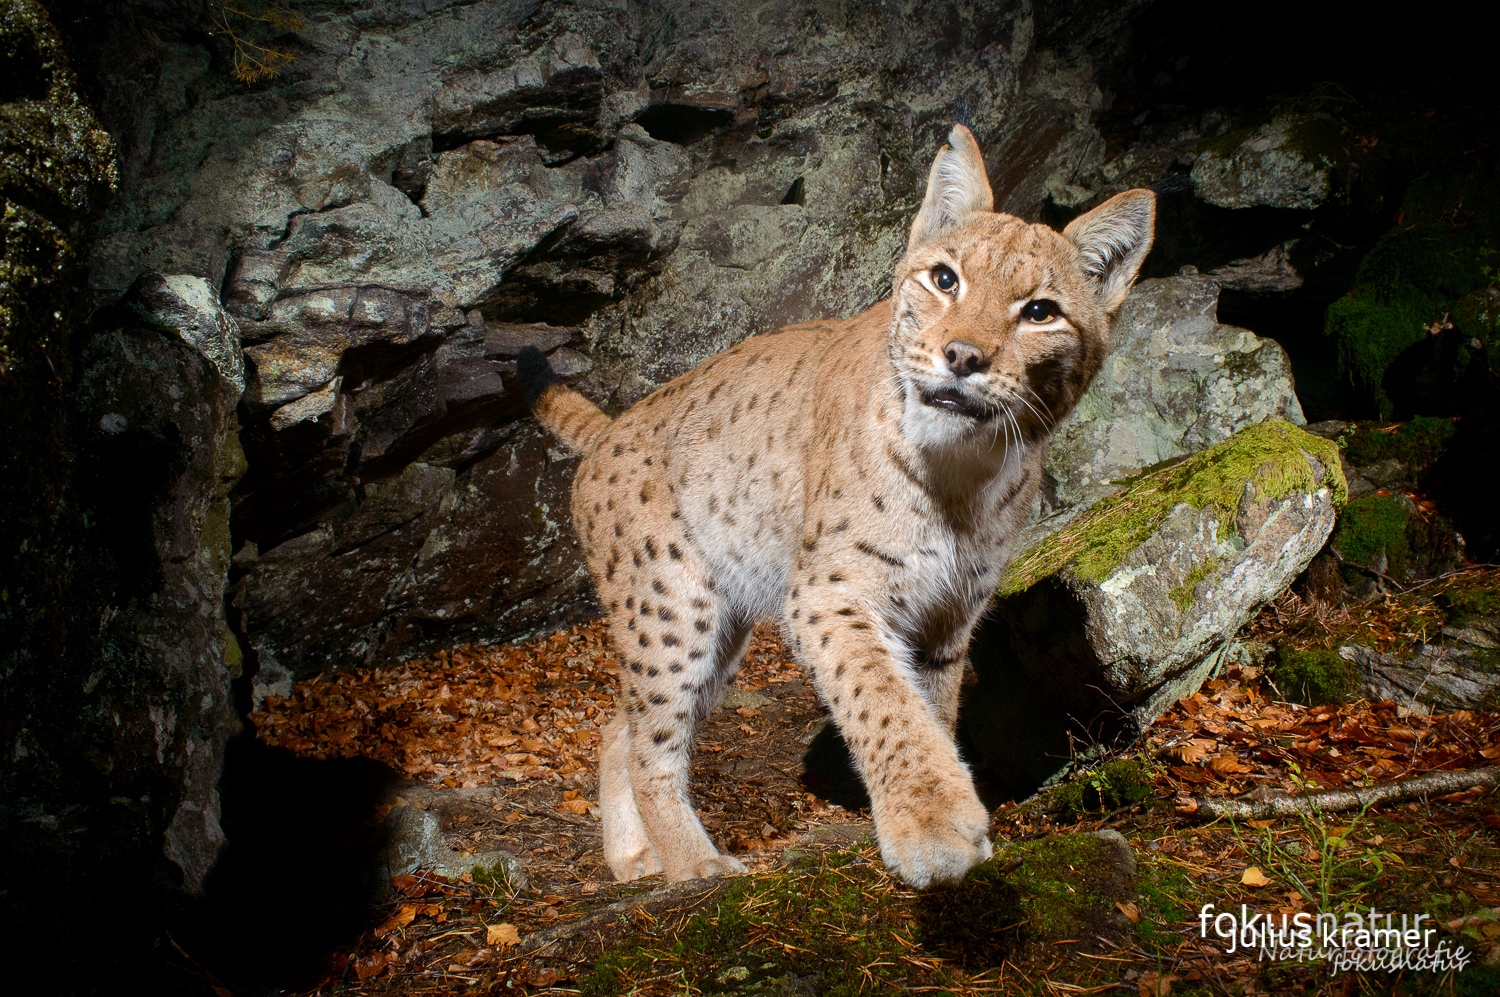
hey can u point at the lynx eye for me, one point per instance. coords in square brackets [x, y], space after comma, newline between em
[1041, 310]
[945, 279]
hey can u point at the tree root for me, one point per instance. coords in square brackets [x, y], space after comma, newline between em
[1336, 800]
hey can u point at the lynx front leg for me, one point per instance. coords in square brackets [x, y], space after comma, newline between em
[939, 670]
[928, 819]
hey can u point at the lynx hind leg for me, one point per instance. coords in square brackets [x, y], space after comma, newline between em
[673, 670]
[627, 847]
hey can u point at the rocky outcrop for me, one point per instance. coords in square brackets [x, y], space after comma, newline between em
[424, 192]
[158, 451]
[1106, 622]
[1175, 381]
[120, 448]
[1456, 673]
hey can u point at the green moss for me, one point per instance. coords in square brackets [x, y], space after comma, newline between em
[1223, 146]
[1182, 595]
[1001, 906]
[1464, 604]
[608, 977]
[1370, 527]
[1103, 788]
[1314, 677]
[1271, 456]
[1432, 264]
[1166, 897]
[832, 916]
[1416, 443]
[1371, 334]
[1317, 138]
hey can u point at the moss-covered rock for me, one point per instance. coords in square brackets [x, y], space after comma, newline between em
[1286, 163]
[1104, 623]
[1416, 332]
[1415, 443]
[1314, 677]
[1372, 533]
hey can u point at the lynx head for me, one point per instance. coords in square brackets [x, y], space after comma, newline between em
[998, 326]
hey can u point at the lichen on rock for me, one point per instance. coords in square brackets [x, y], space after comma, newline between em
[1176, 380]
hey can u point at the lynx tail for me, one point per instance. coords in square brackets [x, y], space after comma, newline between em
[565, 413]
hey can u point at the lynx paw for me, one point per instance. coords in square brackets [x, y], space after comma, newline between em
[635, 865]
[935, 846]
[710, 868]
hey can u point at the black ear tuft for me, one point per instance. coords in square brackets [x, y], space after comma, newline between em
[1172, 183]
[533, 373]
[961, 114]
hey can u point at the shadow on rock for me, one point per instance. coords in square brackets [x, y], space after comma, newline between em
[301, 869]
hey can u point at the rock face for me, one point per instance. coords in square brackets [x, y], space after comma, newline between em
[1175, 381]
[158, 452]
[426, 190]
[1105, 623]
[120, 448]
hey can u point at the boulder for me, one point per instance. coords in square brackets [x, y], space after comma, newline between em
[1175, 381]
[1103, 624]
[415, 842]
[1459, 673]
[1287, 162]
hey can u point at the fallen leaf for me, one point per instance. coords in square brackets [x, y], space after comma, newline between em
[1154, 984]
[1260, 825]
[1194, 749]
[574, 806]
[1227, 762]
[503, 935]
[398, 920]
[370, 965]
[1254, 877]
[1130, 910]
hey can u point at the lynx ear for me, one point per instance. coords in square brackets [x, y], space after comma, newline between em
[956, 187]
[1114, 239]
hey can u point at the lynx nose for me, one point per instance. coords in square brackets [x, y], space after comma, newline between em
[964, 358]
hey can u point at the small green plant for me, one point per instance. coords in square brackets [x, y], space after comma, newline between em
[1104, 787]
[1316, 676]
[1330, 875]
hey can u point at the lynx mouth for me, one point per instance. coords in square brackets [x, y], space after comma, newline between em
[956, 402]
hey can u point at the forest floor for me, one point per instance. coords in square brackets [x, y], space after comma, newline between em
[499, 743]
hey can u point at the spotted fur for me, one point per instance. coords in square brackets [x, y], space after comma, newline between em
[864, 481]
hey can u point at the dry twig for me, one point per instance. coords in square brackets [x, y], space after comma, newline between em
[1336, 800]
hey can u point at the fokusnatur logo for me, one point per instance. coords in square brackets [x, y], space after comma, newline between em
[1355, 941]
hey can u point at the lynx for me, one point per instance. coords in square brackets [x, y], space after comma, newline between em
[864, 481]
